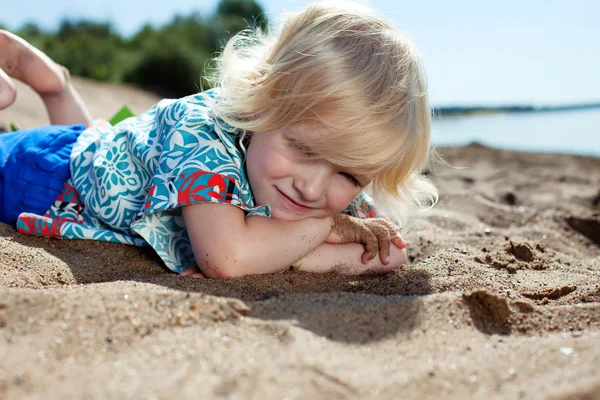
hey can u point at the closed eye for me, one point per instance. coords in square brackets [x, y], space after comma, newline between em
[351, 178]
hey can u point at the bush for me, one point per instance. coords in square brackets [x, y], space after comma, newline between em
[170, 73]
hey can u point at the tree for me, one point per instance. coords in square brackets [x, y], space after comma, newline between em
[29, 30]
[248, 11]
[239, 8]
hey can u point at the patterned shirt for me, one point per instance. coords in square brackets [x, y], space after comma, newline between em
[129, 181]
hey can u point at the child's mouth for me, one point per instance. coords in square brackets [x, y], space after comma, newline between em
[291, 203]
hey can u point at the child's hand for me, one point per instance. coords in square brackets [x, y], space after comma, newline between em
[194, 272]
[375, 234]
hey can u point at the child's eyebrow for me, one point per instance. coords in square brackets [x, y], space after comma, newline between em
[301, 145]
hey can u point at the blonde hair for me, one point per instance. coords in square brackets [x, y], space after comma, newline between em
[341, 65]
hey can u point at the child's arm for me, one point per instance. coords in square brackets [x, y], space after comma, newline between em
[226, 244]
[346, 259]
[343, 252]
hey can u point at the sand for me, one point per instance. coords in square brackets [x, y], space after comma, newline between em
[502, 300]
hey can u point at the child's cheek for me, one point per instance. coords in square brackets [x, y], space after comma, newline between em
[275, 163]
[340, 194]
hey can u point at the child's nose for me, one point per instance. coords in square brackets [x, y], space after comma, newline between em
[312, 183]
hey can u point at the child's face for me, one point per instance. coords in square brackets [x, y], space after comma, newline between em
[296, 186]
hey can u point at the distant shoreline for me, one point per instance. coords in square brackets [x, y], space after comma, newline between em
[456, 111]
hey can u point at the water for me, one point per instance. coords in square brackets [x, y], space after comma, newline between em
[574, 132]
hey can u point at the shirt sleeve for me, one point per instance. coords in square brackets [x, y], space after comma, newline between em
[199, 163]
[363, 207]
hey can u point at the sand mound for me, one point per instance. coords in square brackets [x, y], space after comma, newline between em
[515, 256]
[502, 301]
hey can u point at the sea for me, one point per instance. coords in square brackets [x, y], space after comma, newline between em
[572, 132]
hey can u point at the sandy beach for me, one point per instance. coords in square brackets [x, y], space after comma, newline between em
[501, 301]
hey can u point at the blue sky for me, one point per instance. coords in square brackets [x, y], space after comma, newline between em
[475, 52]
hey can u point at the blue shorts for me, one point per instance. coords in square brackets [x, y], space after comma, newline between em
[34, 164]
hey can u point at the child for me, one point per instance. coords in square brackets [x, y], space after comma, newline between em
[263, 172]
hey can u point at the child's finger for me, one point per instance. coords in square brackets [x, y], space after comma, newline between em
[384, 249]
[371, 244]
[399, 242]
[394, 234]
[365, 258]
[383, 242]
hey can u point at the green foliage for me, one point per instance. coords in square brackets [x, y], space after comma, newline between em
[30, 30]
[123, 113]
[169, 59]
[248, 9]
[170, 71]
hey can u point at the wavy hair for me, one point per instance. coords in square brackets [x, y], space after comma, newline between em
[341, 65]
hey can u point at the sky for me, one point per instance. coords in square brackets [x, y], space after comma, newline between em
[476, 52]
